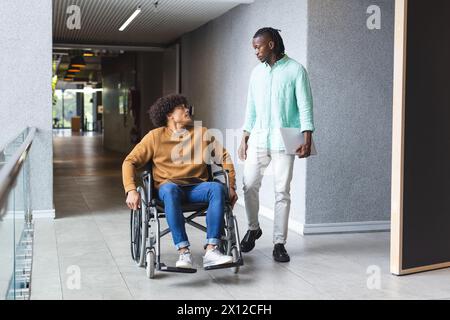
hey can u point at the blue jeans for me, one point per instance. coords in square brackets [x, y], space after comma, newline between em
[174, 195]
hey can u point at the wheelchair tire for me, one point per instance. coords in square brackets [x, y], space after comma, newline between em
[143, 229]
[139, 232]
[135, 234]
[235, 254]
[150, 264]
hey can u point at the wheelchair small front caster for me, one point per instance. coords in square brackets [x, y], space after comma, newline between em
[235, 254]
[150, 264]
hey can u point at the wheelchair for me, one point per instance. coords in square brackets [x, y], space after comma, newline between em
[146, 233]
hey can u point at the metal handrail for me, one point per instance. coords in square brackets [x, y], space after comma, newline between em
[11, 169]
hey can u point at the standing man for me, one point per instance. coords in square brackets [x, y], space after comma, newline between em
[279, 97]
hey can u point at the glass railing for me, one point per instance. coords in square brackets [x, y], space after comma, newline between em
[16, 226]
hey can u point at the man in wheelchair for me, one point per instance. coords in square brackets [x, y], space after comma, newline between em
[179, 154]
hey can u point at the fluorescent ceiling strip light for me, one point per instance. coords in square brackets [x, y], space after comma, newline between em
[85, 90]
[131, 18]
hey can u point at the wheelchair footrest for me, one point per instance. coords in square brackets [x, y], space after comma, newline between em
[223, 266]
[178, 270]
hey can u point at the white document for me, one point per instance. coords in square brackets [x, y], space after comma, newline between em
[293, 138]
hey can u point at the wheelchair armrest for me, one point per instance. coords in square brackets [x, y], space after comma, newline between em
[147, 177]
[225, 174]
[220, 173]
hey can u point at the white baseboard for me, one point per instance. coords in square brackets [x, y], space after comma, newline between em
[37, 214]
[326, 228]
[18, 215]
[40, 214]
[346, 227]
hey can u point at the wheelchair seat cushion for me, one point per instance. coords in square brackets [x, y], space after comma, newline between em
[185, 207]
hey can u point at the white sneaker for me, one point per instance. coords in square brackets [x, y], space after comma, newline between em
[215, 257]
[185, 260]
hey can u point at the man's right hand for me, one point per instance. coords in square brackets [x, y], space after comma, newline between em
[243, 147]
[133, 200]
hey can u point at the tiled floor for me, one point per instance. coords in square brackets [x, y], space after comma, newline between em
[89, 241]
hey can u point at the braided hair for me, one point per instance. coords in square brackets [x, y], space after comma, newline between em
[274, 35]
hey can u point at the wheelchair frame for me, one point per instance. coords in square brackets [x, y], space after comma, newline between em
[146, 231]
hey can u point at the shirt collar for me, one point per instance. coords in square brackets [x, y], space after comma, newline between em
[279, 62]
[179, 134]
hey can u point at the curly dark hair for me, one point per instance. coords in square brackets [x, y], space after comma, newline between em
[163, 106]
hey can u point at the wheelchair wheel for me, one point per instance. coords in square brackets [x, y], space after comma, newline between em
[235, 254]
[135, 232]
[139, 230]
[150, 264]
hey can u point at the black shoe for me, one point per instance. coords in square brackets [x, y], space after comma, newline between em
[280, 254]
[248, 243]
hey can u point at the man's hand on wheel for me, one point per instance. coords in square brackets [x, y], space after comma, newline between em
[133, 200]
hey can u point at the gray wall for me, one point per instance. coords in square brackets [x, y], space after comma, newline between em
[351, 71]
[171, 70]
[217, 60]
[150, 75]
[25, 99]
[118, 76]
[142, 71]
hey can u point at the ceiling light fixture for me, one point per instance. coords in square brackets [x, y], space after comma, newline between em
[74, 70]
[77, 62]
[131, 18]
[155, 6]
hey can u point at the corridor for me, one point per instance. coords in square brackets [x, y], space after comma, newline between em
[90, 237]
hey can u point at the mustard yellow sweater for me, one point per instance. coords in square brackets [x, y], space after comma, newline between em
[177, 157]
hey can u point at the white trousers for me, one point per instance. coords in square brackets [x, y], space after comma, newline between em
[254, 168]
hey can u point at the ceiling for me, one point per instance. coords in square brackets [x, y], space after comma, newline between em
[101, 19]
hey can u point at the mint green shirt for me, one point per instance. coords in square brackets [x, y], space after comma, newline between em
[278, 97]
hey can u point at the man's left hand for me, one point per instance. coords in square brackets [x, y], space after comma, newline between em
[304, 151]
[233, 197]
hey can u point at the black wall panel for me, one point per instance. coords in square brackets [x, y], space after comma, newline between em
[426, 214]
